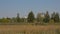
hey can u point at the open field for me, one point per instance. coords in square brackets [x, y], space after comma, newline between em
[29, 29]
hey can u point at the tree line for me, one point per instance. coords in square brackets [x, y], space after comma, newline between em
[40, 18]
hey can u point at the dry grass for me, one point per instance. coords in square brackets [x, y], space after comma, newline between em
[29, 29]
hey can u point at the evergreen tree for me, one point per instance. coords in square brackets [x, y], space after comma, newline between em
[30, 17]
[53, 15]
[47, 17]
[56, 18]
[18, 18]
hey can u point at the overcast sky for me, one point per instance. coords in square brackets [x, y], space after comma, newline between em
[9, 8]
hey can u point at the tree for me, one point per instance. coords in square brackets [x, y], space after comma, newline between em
[40, 17]
[30, 17]
[56, 18]
[53, 15]
[18, 18]
[47, 17]
[5, 20]
[0, 20]
[13, 19]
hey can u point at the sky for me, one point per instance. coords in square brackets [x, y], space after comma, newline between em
[10, 8]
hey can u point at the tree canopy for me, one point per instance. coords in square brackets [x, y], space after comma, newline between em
[30, 17]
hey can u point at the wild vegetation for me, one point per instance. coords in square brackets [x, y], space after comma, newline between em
[43, 23]
[41, 18]
[29, 29]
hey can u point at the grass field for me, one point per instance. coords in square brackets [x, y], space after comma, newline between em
[29, 29]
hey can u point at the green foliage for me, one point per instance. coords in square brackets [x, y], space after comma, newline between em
[47, 17]
[30, 17]
[13, 19]
[51, 21]
[18, 18]
[39, 20]
[56, 18]
[39, 17]
[0, 20]
[53, 15]
[22, 19]
[4, 20]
